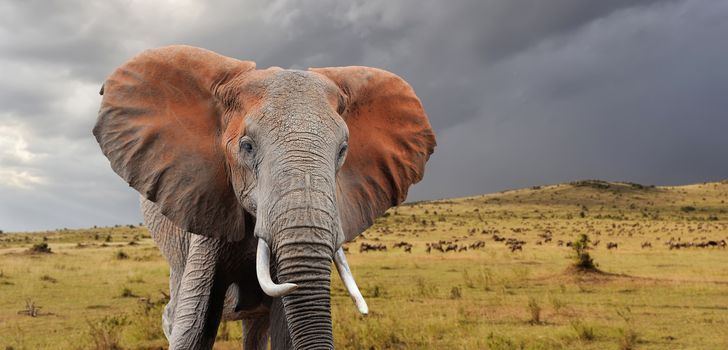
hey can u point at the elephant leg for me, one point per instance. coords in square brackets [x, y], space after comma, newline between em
[200, 297]
[280, 336]
[255, 333]
[175, 277]
[174, 244]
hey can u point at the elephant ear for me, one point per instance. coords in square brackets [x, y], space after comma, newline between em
[160, 126]
[390, 140]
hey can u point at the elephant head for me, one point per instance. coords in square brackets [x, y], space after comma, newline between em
[312, 157]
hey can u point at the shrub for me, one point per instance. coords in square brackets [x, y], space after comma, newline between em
[597, 184]
[40, 248]
[456, 293]
[47, 278]
[687, 209]
[582, 259]
[127, 293]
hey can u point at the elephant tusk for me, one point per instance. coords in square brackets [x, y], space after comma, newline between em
[262, 270]
[345, 272]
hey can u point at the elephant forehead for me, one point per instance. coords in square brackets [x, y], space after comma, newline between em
[286, 88]
[295, 99]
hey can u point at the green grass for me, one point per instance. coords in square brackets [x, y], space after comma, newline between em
[490, 298]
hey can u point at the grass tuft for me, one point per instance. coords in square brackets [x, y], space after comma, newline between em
[534, 309]
[584, 332]
[105, 333]
[121, 255]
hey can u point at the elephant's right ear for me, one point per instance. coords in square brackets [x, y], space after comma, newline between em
[390, 140]
[160, 126]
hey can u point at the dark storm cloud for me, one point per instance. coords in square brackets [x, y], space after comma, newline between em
[635, 96]
[519, 92]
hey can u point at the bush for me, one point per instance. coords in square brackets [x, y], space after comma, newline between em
[47, 278]
[596, 184]
[127, 293]
[687, 209]
[456, 293]
[582, 259]
[40, 248]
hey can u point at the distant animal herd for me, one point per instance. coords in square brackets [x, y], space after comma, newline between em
[514, 244]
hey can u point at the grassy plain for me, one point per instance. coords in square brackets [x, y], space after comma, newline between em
[97, 287]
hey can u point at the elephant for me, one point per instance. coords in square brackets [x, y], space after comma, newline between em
[252, 179]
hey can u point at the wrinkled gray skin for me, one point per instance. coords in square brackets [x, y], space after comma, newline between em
[288, 188]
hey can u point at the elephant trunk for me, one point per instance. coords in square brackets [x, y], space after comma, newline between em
[308, 308]
[300, 225]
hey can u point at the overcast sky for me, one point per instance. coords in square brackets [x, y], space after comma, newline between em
[520, 92]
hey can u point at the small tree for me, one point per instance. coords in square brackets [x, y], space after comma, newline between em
[582, 259]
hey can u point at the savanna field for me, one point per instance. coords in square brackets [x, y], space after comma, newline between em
[661, 277]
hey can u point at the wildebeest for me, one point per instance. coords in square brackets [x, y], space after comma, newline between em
[365, 247]
[515, 244]
[477, 245]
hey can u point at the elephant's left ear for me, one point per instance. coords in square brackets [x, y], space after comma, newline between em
[390, 140]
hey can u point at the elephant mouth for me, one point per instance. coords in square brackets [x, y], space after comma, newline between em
[269, 287]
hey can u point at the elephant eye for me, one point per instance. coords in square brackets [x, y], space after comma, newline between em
[246, 144]
[342, 153]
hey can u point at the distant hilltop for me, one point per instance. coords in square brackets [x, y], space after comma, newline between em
[621, 196]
